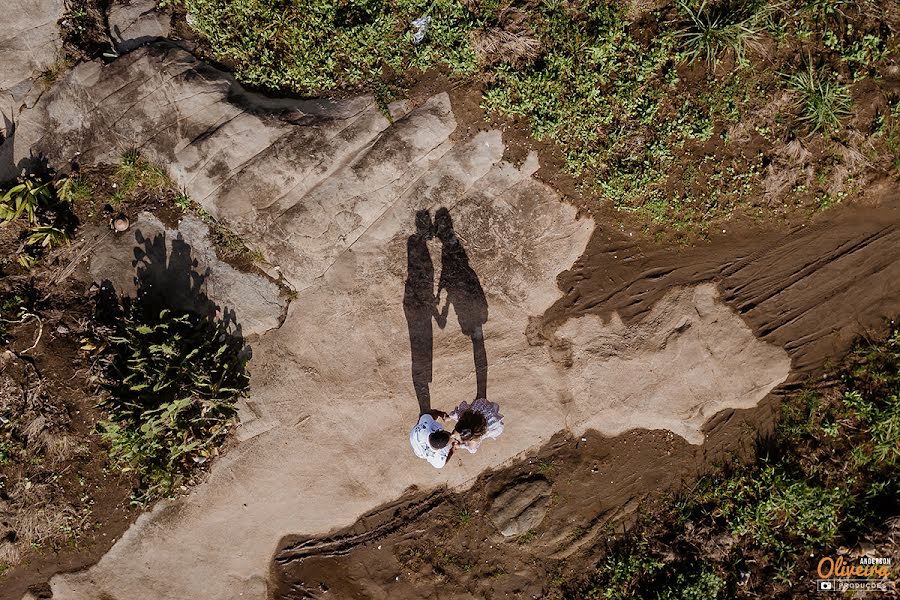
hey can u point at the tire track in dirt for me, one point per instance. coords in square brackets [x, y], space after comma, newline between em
[811, 290]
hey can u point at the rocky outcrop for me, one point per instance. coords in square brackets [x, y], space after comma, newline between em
[30, 44]
[133, 23]
[520, 508]
[185, 259]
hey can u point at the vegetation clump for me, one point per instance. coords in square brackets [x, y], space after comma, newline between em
[822, 101]
[714, 28]
[42, 206]
[172, 378]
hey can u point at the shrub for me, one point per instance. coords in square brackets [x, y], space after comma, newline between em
[45, 207]
[172, 380]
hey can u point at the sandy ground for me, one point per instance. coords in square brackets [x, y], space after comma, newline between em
[628, 336]
[333, 396]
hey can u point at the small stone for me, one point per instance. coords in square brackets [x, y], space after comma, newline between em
[62, 329]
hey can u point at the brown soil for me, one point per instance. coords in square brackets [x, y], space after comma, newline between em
[80, 485]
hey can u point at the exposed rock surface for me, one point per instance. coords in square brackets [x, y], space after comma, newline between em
[520, 508]
[186, 254]
[29, 45]
[329, 191]
[136, 22]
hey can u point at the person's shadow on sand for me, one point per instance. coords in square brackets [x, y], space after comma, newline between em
[420, 303]
[464, 292]
[420, 306]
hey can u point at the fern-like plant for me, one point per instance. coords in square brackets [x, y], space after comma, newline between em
[25, 199]
[44, 206]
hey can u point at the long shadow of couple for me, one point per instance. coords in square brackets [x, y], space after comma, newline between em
[420, 301]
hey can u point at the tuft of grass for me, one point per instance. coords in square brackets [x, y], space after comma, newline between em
[464, 516]
[822, 102]
[133, 172]
[172, 379]
[526, 538]
[713, 29]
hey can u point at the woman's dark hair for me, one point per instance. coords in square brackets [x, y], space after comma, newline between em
[471, 425]
[438, 439]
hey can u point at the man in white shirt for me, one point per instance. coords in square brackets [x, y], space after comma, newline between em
[430, 441]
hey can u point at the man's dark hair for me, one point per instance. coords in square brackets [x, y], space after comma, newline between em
[438, 439]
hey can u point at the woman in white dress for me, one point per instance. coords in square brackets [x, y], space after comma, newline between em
[475, 422]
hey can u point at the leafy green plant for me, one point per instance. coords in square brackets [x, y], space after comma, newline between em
[714, 28]
[13, 308]
[24, 200]
[172, 379]
[822, 101]
[45, 207]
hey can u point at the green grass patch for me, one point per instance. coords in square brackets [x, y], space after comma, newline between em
[135, 173]
[313, 47]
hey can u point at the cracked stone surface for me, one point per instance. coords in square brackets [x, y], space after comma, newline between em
[520, 508]
[136, 22]
[29, 45]
[328, 192]
[255, 300]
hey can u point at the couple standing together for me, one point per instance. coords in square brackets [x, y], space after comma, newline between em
[476, 420]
